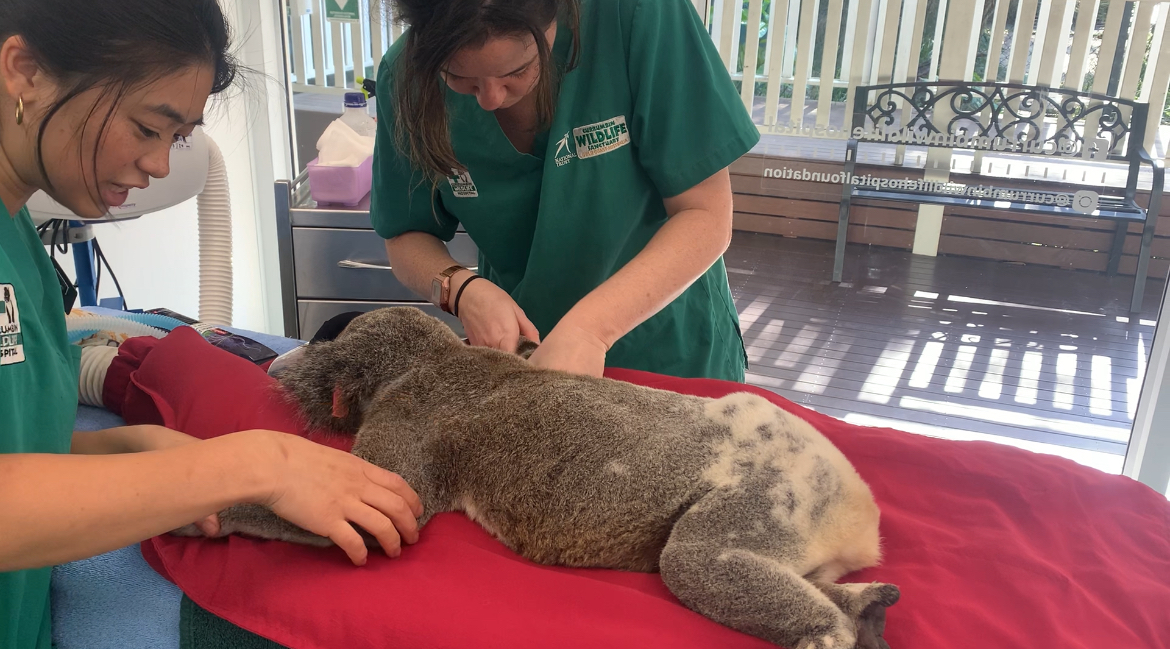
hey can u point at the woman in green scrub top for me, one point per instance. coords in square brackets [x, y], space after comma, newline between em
[92, 96]
[583, 145]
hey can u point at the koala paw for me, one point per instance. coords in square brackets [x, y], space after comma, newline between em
[835, 639]
[871, 622]
[187, 530]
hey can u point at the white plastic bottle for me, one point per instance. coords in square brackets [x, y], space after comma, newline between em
[357, 115]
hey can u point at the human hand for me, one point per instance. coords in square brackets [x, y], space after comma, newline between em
[491, 318]
[571, 349]
[327, 491]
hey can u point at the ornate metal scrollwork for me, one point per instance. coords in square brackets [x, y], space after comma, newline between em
[999, 116]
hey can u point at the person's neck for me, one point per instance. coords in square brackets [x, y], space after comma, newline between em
[14, 192]
[522, 115]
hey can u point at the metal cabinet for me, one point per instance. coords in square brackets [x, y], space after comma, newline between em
[332, 262]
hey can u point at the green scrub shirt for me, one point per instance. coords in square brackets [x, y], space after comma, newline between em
[649, 112]
[38, 400]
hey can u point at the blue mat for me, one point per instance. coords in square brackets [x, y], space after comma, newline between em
[115, 600]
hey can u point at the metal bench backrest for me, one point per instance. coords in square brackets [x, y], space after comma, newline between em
[1001, 117]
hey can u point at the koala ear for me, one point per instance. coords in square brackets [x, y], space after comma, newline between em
[526, 348]
[317, 385]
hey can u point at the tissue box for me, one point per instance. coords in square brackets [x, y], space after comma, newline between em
[341, 185]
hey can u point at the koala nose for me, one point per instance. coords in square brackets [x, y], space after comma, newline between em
[286, 360]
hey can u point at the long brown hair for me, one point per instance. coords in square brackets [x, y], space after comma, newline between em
[439, 29]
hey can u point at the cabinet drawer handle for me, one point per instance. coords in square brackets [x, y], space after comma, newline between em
[361, 265]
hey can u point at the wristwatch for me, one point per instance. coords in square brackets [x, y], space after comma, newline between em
[441, 288]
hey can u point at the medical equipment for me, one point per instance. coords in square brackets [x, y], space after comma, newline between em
[197, 170]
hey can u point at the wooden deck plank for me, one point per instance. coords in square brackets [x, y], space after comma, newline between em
[871, 324]
[871, 266]
[856, 347]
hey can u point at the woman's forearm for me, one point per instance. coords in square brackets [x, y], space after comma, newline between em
[126, 439]
[58, 508]
[417, 258]
[686, 246]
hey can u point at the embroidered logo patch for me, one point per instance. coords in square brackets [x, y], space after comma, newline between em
[601, 138]
[11, 339]
[462, 185]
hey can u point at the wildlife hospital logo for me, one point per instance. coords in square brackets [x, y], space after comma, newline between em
[11, 340]
[462, 185]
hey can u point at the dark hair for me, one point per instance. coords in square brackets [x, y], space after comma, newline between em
[439, 29]
[117, 46]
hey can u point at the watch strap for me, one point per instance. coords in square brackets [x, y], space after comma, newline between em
[441, 288]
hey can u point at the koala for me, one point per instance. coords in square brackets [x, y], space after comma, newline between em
[747, 511]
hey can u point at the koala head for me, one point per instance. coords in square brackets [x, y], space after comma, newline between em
[332, 381]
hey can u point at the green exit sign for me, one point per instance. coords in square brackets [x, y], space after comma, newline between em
[343, 10]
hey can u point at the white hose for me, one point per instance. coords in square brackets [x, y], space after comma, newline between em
[95, 362]
[215, 243]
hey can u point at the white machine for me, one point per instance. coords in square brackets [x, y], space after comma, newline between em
[197, 170]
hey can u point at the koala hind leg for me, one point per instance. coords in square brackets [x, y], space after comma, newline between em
[755, 594]
[866, 605]
[738, 575]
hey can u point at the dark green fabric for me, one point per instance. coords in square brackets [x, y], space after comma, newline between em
[648, 113]
[38, 400]
[199, 629]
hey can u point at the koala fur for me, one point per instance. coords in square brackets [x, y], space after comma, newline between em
[747, 511]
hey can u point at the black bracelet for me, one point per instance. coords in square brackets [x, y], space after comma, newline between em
[459, 294]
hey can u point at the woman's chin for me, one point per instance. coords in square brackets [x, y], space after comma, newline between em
[86, 209]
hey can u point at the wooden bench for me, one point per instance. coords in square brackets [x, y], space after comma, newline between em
[1005, 119]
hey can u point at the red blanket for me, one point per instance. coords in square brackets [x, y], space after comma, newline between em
[993, 547]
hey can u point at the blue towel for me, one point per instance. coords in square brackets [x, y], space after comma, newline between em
[114, 601]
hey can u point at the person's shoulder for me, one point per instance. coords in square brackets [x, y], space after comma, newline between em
[390, 58]
[387, 67]
[607, 11]
[626, 12]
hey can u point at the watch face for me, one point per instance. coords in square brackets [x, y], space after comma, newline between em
[436, 292]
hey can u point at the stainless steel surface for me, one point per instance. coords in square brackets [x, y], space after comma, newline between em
[331, 218]
[349, 263]
[314, 313]
[332, 261]
[284, 244]
[320, 274]
[360, 265]
[338, 264]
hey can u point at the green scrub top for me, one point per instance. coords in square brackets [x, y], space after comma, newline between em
[38, 400]
[649, 112]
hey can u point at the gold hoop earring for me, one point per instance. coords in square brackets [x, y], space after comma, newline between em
[20, 111]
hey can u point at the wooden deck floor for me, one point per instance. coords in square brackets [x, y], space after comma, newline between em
[1038, 357]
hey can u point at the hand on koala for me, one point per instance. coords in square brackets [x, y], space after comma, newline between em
[328, 492]
[492, 318]
[571, 349]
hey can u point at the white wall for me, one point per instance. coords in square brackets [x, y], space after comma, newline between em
[156, 257]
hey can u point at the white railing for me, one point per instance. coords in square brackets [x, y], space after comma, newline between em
[319, 48]
[1061, 43]
[774, 47]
